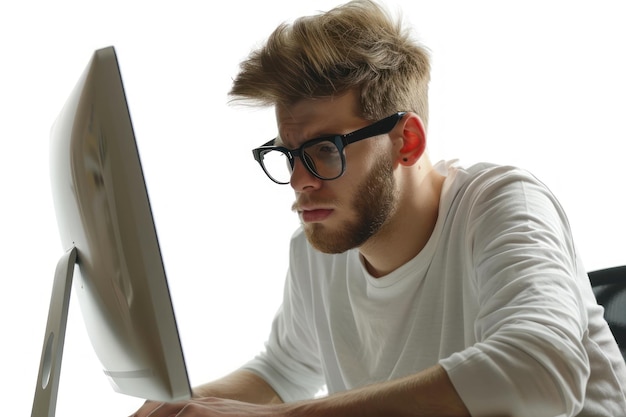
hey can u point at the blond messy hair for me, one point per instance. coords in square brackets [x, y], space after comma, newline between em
[353, 46]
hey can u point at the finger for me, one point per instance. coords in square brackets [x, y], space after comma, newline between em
[148, 410]
[166, 410]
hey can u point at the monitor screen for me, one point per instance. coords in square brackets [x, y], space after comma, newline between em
[108, 234]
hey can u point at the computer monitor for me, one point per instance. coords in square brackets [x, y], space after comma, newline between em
[111, 251]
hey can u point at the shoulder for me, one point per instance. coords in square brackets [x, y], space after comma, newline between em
[484, 183]
[494, 197]
[483, 175]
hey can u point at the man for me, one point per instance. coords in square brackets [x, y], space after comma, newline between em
[413, 289]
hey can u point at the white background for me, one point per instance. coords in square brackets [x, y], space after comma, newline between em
[539, 84]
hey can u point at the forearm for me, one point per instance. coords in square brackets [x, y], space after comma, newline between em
[429, 393]
[240, 385]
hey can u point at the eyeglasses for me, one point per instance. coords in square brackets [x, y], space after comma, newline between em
[322, 157]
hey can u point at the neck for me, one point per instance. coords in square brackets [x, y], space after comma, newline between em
[408, 230]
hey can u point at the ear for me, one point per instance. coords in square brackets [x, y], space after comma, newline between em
[413, 138]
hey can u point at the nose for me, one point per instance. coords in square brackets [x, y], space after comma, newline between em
[302, 179]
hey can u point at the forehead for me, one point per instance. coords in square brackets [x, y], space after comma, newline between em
[312, 118]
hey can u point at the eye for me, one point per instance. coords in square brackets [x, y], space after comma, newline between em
[325, 149]
[328, 148]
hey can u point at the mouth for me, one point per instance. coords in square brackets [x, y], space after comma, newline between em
[314, 215]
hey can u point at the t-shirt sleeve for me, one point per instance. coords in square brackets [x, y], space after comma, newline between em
[290, 362]
[529, 359]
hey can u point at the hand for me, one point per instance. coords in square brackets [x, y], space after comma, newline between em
[209, 407]
[244, 389]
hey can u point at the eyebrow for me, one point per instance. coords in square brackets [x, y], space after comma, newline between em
[278, 141]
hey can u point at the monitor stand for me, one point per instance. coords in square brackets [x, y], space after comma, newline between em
[44, 404]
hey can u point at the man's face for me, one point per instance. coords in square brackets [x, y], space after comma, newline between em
[344, 213]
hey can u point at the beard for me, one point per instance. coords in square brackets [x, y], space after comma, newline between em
[374, 202]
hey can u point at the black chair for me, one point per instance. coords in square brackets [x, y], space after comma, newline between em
[609, 286]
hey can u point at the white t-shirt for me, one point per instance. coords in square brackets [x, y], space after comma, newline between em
[498, 297]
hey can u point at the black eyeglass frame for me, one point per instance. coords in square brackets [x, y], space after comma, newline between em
[380, 127]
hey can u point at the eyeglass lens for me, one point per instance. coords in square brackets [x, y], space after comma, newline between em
[321, 158]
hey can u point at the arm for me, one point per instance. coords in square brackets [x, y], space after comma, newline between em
[529, 354]
[428, 393]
